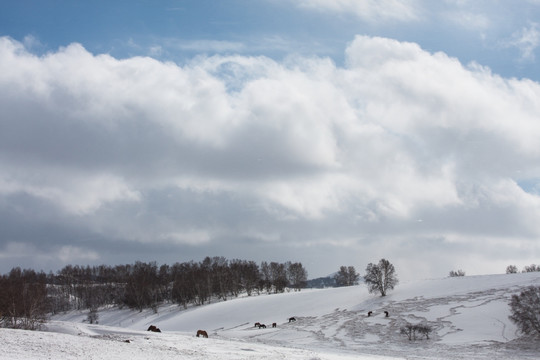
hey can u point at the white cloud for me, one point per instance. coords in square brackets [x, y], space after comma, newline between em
[469, 20]
[368, 10]
[527, 41]
[75, 194]
[69, 253]
[322, 152]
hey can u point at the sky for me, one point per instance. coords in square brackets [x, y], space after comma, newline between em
[328, 132]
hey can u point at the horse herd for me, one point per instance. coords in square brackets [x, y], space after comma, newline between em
[204, 334]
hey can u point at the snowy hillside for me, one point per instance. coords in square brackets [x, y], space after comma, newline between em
[468, 315]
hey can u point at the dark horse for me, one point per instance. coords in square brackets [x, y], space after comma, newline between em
[202, 333]
[153, 328]
[292, 319]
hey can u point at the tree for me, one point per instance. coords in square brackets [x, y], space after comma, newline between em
[456, 273]
[525, 310]
[346, 276]
[278, 274]
[380, 277]
[297, 275]
[142, 286]
[23, 299]
[511, 269]
[531, 268]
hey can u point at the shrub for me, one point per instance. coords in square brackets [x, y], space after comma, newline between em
[525, 309]
[411, 330]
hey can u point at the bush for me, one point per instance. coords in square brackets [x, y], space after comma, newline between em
[411, 330]
[525, 309]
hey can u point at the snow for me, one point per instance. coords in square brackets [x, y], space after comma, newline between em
[468, 315]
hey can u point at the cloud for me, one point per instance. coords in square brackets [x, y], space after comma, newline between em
[257, 158]
[526, 40]
[367, 10]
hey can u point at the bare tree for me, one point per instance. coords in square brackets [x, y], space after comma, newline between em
[380, 277]
[511, 269]
[279, 276]
[525, 309]
[23, 299]
[297, 275]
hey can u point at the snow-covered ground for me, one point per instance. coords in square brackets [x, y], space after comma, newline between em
[468, 315]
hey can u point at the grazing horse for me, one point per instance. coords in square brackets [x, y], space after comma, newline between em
[153, 328]
[257, 324]
[262, 326]
[386, 314]
[292, 319]
[202, 333]
[274, 325]
[369, 313]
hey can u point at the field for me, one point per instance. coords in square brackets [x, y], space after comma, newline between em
[468, 316]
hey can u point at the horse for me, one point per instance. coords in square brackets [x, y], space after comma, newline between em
[274, 325]
[386, 314]
[369, 313]
[262, 326]
[153, 328]
[292, 319]
[202, 333]
[257, 324]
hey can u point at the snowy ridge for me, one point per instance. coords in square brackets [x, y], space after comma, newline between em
[468, 315]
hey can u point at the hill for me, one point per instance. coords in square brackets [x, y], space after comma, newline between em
[468, 315]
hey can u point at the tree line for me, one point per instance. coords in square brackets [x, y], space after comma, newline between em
[27, 296]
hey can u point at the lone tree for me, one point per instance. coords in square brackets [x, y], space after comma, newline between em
[525, 309]
[380, 277]
[511, 269]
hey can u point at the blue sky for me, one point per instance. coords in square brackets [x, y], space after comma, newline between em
[488, 32]
[322, 131]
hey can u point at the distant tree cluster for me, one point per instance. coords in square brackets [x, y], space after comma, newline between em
[456, 273]
[26, 297]
[513, 269]
[346, 276]
[531, 268]
[23, 299]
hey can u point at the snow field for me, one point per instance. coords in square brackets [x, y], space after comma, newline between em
[468, 315]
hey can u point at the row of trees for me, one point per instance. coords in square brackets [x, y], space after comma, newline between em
[26, 296]
[512, 269]
[23, 299]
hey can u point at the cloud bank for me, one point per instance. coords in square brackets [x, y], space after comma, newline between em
[401, 153]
